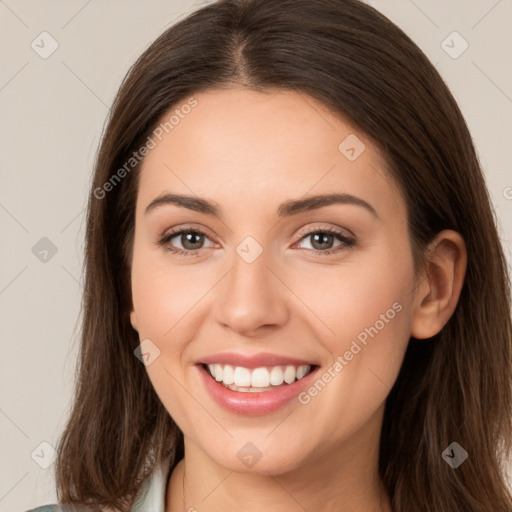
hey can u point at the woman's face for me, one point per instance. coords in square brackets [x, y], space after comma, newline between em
[274, 283]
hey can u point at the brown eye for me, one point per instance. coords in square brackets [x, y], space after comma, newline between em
[191, 241]
[322, 241]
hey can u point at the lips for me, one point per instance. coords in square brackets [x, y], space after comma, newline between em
[266, 382]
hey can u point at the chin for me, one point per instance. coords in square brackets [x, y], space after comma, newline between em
[258, 458]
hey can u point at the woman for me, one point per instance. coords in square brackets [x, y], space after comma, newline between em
[296, 297]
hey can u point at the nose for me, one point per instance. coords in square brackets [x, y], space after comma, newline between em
[251, 299]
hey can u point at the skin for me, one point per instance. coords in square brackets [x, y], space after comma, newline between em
[249, 152]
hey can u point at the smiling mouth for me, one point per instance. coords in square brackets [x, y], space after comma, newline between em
[257, 380]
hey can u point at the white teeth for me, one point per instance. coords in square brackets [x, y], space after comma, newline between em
[260, 378]
[302, 370]
[289, 374]
[229, 374]
[257, 378]
[218, 372]
[242, 376]
[276, 376]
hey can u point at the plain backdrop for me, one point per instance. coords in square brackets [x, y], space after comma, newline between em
[53, 107]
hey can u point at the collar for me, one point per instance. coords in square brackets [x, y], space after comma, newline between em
[151, 496]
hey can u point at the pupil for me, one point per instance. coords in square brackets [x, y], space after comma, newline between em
[190, 236]
[323, 238]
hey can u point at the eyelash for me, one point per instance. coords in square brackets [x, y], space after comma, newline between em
[347, 241]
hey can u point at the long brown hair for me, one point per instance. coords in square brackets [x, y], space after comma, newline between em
[454, 387]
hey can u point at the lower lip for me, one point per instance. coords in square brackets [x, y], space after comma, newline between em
[254, 403]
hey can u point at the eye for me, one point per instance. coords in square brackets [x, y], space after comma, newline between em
[191, 241]
[323, 239]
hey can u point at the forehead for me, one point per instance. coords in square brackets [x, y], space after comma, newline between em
[239, 145]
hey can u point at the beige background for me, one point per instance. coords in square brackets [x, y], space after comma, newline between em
[52, 113]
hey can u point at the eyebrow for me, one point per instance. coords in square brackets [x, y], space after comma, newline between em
[286, 209]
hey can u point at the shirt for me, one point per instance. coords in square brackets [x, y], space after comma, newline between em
[150, 498]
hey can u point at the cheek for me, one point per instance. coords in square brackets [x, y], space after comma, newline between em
[371, 325]
[367, 290]
[164, 305]
[365, 308]
[161, 296]
[170, 303]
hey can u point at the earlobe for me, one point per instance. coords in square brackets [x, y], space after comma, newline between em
[439, 288]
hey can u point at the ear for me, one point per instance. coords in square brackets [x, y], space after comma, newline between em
[438, 289]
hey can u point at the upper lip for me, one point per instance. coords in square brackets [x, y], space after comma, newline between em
[252, 361]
